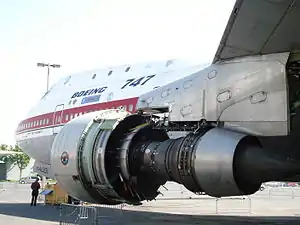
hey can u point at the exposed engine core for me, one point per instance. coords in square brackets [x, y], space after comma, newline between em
[111, 157]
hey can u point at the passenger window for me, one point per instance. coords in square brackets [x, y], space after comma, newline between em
[41, 122]
[67, 117]
[47, 121]
[71, 116]
[44, 121]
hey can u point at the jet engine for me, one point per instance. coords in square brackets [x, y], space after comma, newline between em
[111, 157]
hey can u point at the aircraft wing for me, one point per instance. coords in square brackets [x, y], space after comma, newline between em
[260, 27]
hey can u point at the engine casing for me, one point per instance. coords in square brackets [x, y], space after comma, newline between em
[78, 149]
[90, 157]
[111, 157]
[215, 159]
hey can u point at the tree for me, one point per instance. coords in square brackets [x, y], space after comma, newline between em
[3, 147]
[19, 159]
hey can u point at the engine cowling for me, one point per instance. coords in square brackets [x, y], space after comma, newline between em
[111, 157]
[89, 157]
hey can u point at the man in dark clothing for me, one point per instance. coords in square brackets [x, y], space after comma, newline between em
[35, 186]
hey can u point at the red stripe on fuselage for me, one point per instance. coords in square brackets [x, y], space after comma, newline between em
[63, 116]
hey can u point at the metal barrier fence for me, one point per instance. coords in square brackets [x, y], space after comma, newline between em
[90, 214]
[109, 214]
[233, 205]
[268, 192]
[247, 205]
[77, 214]
[189, 203]
[275, 193]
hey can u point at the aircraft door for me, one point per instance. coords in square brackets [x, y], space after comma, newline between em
[58, 118]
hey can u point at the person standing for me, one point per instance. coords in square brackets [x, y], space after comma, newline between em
[35, 187]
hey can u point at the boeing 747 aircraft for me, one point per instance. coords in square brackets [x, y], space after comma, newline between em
[117, 134]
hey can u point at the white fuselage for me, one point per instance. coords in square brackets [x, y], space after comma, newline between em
[96, 90]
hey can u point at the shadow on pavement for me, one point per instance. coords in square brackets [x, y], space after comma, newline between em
[39, 212]
[51, 213]
[135, 218]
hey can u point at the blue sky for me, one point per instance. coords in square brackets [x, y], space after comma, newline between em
[82, 35]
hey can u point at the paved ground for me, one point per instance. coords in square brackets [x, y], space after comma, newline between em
[280, 206]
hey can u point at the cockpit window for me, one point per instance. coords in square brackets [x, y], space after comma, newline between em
[67, 80]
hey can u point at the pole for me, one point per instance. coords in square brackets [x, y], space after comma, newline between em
[48, 74]
[43, 182]
[39, 64]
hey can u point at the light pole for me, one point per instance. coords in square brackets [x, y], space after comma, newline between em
[48, 70]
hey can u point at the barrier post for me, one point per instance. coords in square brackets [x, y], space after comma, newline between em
[217, 200]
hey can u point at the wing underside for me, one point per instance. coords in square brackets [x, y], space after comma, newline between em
[261, 27]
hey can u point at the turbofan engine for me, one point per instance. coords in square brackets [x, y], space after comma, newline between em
[111, 157]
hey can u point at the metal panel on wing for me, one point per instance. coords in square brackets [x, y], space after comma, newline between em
[260, 27]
